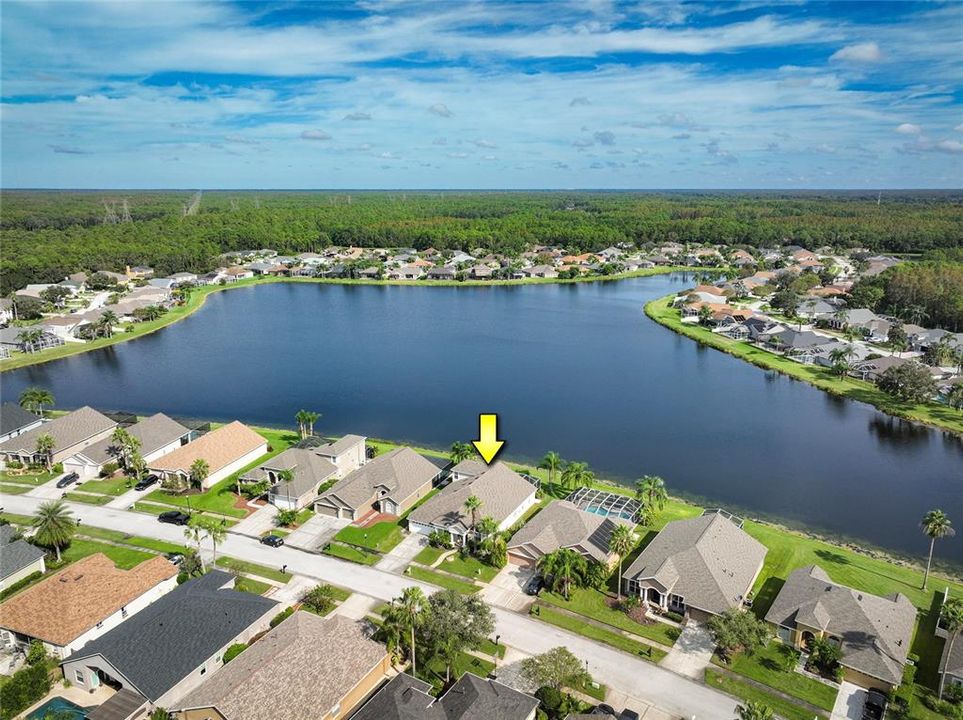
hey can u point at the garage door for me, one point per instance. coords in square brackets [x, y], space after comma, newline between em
[327, 511]
[521, 560]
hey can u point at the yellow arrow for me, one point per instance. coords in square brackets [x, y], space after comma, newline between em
[487, 443]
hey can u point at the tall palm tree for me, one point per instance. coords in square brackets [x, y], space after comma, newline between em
[54, 524]
[620, 543]
[393, 631]
[564, 566]
[951, 616]
[34, 399]
[936, 525]
[306, 420]
[650, 491]
[411, 606]
[30, 338]
[194, 532]
[576, 474]
[216, 532]
[127, 444]
[954, 397]
[553, 463]
[45, 448]
[107, 321]
[198, 473]
[287, 477]
[840, 358]
[461, 451]
[472, 503]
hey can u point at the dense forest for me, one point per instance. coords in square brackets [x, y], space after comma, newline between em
[48, 234]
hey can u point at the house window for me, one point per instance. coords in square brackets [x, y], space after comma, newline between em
[79, 676]
[784, 634]
[677, 600]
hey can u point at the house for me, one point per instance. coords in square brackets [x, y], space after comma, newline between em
[225, 450]
[289, 674]
[309, 471]
[164, 283]
[347, 453]
[467, 469]
[11, 338]
[158, 435]
[116, 278]
[471, 698]
[505, 496]
[443, 272]
[136, 272]
[64, 327]
[170, 647]
[951, 664]
[237, 273]
[791, 341]
[82, 602]
[184, 278]
[14, 420]
[873, 370]
[542, 271]
[407, 272]
[18, 558]
[697, 567]
[563, 525]
[480, 272]
[391, 483]
[71, 433]
[874, 633]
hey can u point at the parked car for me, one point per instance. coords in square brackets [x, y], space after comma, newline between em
[146, 482]
[603, 709]
[534, 586]
[68, 479]
[175, 558]
[875, 706]
[629, 714]
[174, 517]
[272, 540]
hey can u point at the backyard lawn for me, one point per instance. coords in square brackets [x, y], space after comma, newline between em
[110, 486]
[609, 637]
[591, 603]
[767, 666]
[469, 567]
[352, 553]
[442, 580]
[746, 692]
[381, 537]
[250, 568]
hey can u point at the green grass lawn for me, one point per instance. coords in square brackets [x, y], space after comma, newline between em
[96, 533]
[766, 666]
[442, 580]
[249, 568]
[89, 499]
[434, 671]
[381, 537]
[597, 691]
[33, 479]
[112, 486]
[591, 603]
[489, 647]
[9, 489]
[123, 557]
[746, 692]
[15, 519]
[609, 637]
[351, 553]
[469, 567]
[249, 585]
[429, 555]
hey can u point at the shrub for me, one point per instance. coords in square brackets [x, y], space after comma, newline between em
[320, 599]
[233, 651]
[26, 687]
[557, 705]
[182, 577]
[108, 469]
[20, 584]
[281, 617]
[36, 654]
[14, 464]
[953, 693]
[439, 539]
[286, 518]
[673, 616]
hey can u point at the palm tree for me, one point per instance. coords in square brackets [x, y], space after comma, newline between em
[650, 491]
[54, 524]
[553, 463]
[563, 566]
[107, 321]
[216, 532]
[840, 358]
[461, 451]
[472, 503]
[576, 474]
[306, 420]
[127, 444]
[620, 543]
[393, 630]
[411, 605]
[30, 338]
[199, 472]
[755, 710]
[194, 532]
[287, 477]
[45, 447]
[951, 617]
[954, 398]
[34, 399]
[936, 525]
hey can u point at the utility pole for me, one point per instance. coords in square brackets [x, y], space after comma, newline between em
[125, 216]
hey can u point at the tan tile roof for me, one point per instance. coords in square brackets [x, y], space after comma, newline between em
[67, 604]
[219, 448]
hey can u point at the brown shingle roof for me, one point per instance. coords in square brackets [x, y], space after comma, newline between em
[219, 448]
[65, 605]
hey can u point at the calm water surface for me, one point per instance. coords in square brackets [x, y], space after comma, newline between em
[574, 368]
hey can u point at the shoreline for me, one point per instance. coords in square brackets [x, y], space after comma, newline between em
[934, 415]
[199, 295]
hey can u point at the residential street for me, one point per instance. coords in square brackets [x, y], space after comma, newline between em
[641, 681]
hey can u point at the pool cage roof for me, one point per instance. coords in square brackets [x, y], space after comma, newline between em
[606, 503]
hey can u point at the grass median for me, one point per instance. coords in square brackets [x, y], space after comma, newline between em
[594, 632]
[442, 580]
[746, 693]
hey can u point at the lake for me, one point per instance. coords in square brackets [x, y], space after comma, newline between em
[578, 369]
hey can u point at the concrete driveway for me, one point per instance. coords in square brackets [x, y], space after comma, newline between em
[507, 588]
[849, 702]
[49, 490]
[403, 553]
[316, 532]
[122, 502]
[257, 523]
[692, 652]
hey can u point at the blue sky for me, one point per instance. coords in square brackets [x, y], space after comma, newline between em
[417, 94]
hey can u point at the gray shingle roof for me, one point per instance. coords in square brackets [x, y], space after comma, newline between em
[707, 560]
[269, 681]
[500, 489]
[67, 430]
[561, 524]
[401, 470]
[13, 417]
[309, 468]
[340, 445]
[875, 632]
[153, 432]
[471, 698]
[166, 641]
[469, 467]
[15, 554]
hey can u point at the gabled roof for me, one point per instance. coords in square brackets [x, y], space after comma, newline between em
[70, 602]
[219, 448]
[500, 489]
[13, 417]
[562, 525]
[15, 553]
[707, 560]
[154, 433]
[289, 673]
[875, 632]
[401, 471]
[67, 430]
[343, 444]
[309, 469]
[162, 644]
[469, 467]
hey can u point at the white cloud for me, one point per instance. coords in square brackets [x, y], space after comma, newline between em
[485, 144]
[865, 52]
[909, 129]
[441, 110]
[959, 128]
[954, 147]
[357, 116]
[315, 135]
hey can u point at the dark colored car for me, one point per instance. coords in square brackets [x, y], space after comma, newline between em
[272, 540]
[146, 482]
[603, 709]
[629, 714]
[175, 558]
[174, 517]
[534, 586]
[68, 479]
[875, 706]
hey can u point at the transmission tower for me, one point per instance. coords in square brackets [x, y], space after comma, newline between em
[110, 212]
[125, 213]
